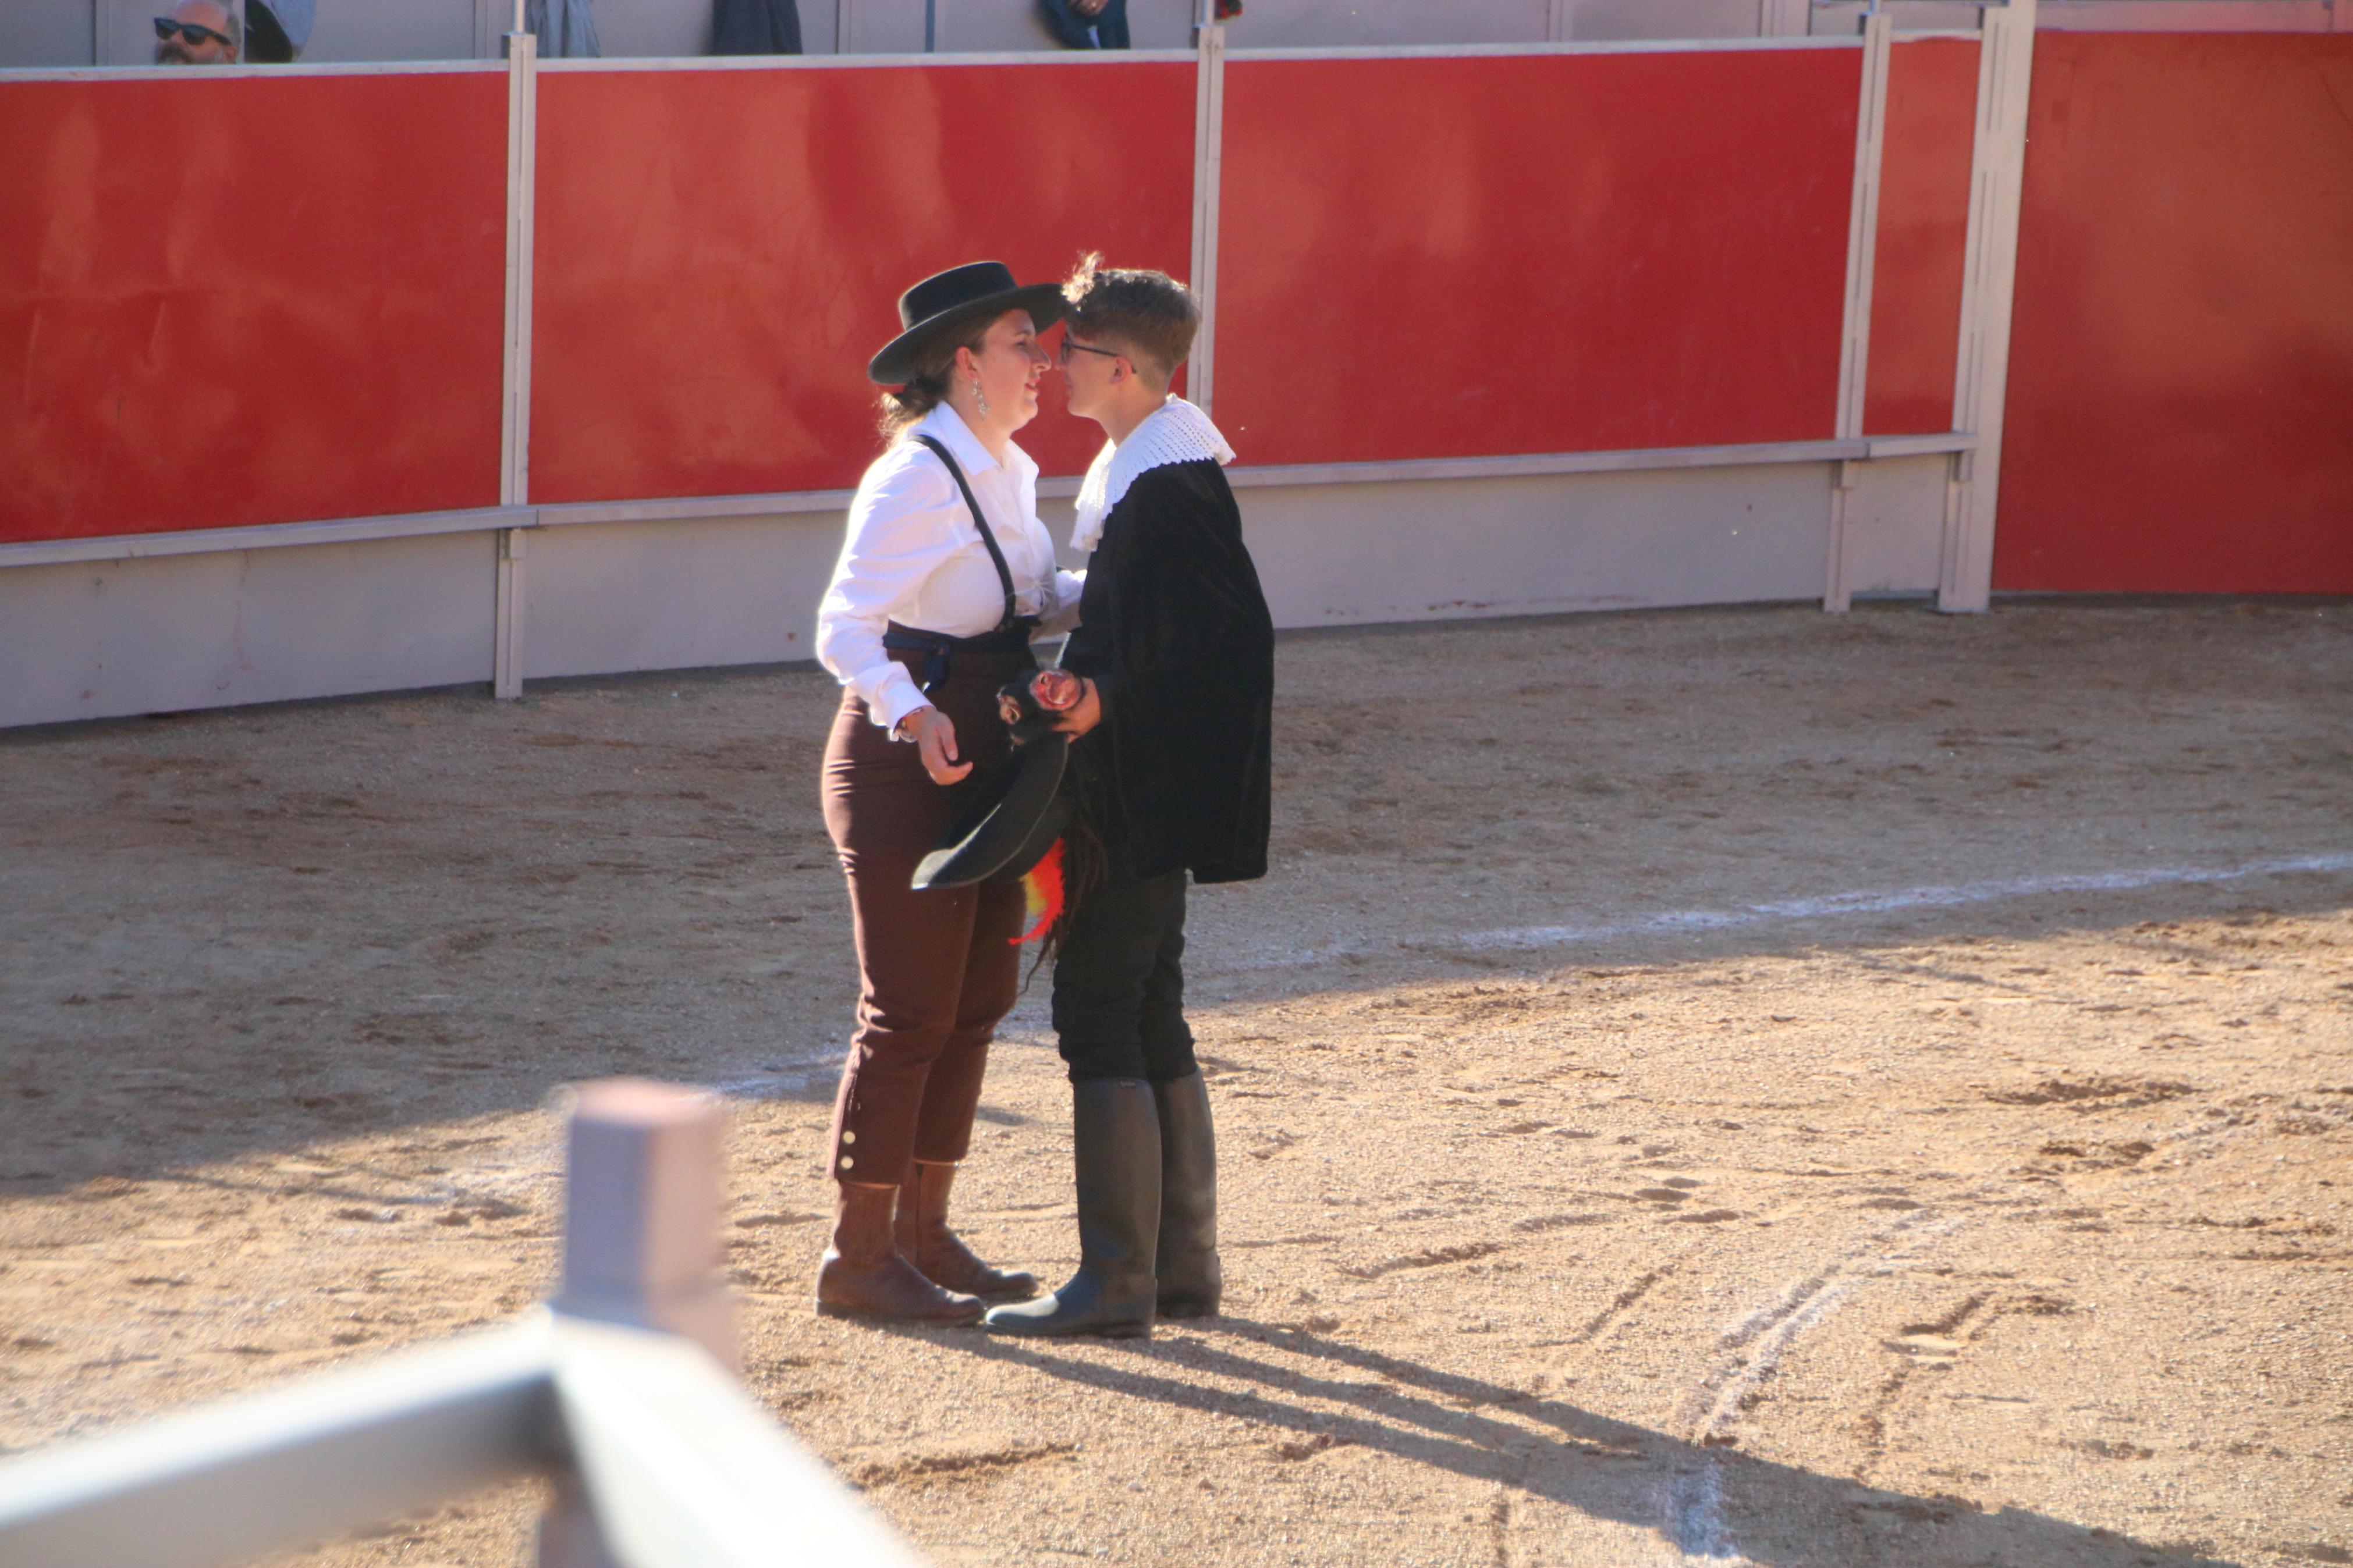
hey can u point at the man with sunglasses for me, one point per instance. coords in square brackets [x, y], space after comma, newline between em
[198, 33]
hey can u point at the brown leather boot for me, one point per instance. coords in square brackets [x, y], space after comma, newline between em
[863, 1276]
[925, 1240]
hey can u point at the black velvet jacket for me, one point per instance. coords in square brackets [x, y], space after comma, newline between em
[1174, 631]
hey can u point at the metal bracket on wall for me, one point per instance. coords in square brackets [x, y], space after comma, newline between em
[506, 663]
[1837, 594]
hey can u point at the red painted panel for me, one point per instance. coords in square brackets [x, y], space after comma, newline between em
[249, 300]
[721, 251]
[1923, 226]
[1431, 257]
[2181, 360]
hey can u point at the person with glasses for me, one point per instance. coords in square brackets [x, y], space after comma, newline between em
[944, 577]
[1174, 650]
[198, 33]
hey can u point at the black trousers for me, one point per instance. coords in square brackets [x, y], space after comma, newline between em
[1119, 983]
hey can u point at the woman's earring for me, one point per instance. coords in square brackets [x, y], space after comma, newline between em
[980, 397]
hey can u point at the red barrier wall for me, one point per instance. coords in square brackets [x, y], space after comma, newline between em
[1433, 257]
[2181, 401]
[248, 301]
[1923, 225]
[721, 251]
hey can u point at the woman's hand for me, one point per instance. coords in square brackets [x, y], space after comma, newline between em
[933, 733]
[1083, 715]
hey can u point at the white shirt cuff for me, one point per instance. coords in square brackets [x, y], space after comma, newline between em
[1068, 586]
[898, 697]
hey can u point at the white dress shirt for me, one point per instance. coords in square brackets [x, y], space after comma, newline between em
[914, 555]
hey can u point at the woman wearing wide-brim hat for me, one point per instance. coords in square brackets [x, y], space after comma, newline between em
[945, 573]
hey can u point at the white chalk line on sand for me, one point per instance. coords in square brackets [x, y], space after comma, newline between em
[1828, 906]
[1694, 1522]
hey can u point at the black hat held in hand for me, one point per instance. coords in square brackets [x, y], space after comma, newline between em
[1019, 810]
[949, 303]
[1014, 819]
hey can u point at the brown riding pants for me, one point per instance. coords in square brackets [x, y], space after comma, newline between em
[936, 969]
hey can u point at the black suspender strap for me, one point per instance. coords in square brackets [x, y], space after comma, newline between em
[980, 520]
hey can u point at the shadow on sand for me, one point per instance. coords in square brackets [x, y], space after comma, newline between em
[1706, 1501]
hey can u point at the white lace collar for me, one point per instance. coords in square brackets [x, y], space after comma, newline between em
[1175, 432]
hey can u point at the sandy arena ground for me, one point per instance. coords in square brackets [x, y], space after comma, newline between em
[1602, 1184]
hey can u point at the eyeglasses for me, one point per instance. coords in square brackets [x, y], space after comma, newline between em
[1069, 346]
[166, 28]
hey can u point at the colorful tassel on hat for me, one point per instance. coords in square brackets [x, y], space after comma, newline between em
[1041, 893]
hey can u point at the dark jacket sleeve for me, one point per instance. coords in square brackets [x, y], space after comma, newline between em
[1174, 629]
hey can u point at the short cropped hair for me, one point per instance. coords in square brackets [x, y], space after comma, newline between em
[1149, 314]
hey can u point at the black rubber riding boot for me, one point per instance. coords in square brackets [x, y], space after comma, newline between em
[1190, 1277]
[1116, 1139]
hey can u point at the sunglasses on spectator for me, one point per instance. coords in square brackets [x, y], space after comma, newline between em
[1070, 347]
[165, 28]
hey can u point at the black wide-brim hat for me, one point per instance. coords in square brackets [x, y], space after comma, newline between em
[949, 303]
[1015, 817]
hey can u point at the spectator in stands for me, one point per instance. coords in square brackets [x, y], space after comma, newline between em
[755, 28]
[198, 33]
[1088, 23]
[276, 30]
[566, 29]
[1103, 24]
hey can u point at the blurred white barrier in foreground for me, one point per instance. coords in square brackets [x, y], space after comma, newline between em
[623, 1390]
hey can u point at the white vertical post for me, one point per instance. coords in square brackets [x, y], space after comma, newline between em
[1209, 169]
[523, 157]
[515, 419]
[1997, 179]
[1862, 223]
[1862, 257]
[645, 1185]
